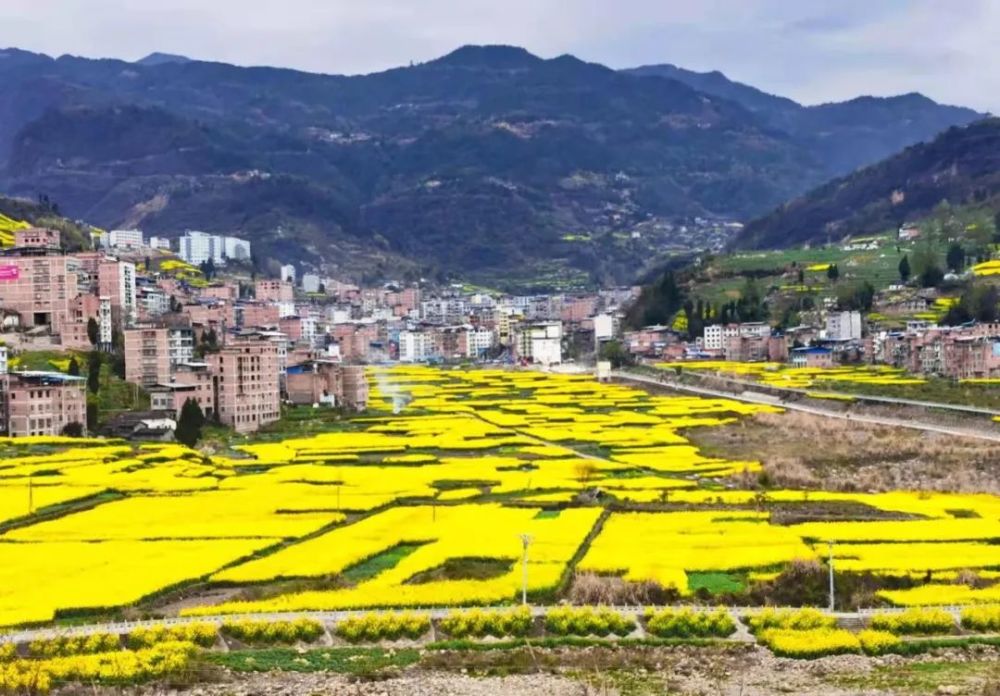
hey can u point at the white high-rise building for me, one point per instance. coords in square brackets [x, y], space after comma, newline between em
[197, 247]
[478, 340]
[235, 249]
[123, 239]
[129, 301]
[105, 323]
[310, 282]
[288, 273]
[843, 326]
[540, 343]
[413, 346]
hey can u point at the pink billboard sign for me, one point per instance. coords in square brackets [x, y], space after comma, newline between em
[9, 272]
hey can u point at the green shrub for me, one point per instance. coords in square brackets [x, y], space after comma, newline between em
[878, 642]
[373, 627]
[982, 619]
[64, 646]
[588, 621]
[8, 651]
[790, 619]
[689, 623]
[272, 632]
[477, 623]
[809, 643]
[915, 621]
[203, 634]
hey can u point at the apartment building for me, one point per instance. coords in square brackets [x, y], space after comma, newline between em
[270, 290]
[42, 403]
[38, 238]
[245, 382]
[180, 345]
[540, 342]
[189, 381]
[116, 280]
[843, 326]
[147, 355]
[40, 286]
[123, 239]
[414, 346]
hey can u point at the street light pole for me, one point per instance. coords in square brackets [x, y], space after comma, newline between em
[525, 542]
[830, 565]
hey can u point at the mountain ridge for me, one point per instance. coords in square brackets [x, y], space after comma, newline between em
[961, 166]
[486, 158]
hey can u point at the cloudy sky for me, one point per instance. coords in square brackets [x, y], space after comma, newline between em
[810, 50]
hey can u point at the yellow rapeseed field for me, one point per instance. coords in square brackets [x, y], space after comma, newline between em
[445, 474]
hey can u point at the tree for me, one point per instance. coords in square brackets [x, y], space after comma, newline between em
[93, 413]
[208, 269]
[801, 277]
[955, 258]
[94, 372]
[833, 273]
[74, 429]
[93, 331]
[904, 268]
[615, 353]
[74, 368]
[931, 276]
[190, 423]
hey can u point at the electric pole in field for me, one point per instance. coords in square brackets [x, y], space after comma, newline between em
[830, 565]
[525, 542]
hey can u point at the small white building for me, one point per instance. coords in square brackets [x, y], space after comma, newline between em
[310, 282]
[288, 273]
[123, 239]
[843, 326]
[478, 341]
[540, 342]
[159, 243]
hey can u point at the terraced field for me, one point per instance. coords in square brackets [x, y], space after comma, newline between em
[428, 501]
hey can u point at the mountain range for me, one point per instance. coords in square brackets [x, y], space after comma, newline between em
[960, 166]
[486, 162]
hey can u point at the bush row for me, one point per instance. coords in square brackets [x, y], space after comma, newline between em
[809, 643]
[271, 632]
[62, 646]
[477, 623]
[982, 619]
[689, 623]
[373, 627]
[588, 621]
[203, 634]
[915, 621]
[789, 619]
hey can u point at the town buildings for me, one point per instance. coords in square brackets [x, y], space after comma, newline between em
[198, 247]
[245, 379]
[41, 403]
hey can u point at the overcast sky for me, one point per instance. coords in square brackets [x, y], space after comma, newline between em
[810, 50]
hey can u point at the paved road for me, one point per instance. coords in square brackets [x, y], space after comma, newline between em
[891, 400]
[758, 398]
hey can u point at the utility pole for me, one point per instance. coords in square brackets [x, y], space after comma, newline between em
[525, 542]
[830, 566]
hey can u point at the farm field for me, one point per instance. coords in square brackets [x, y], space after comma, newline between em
[424, 502]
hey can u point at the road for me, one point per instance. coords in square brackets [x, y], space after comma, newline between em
[891, 400]
[758, 398]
